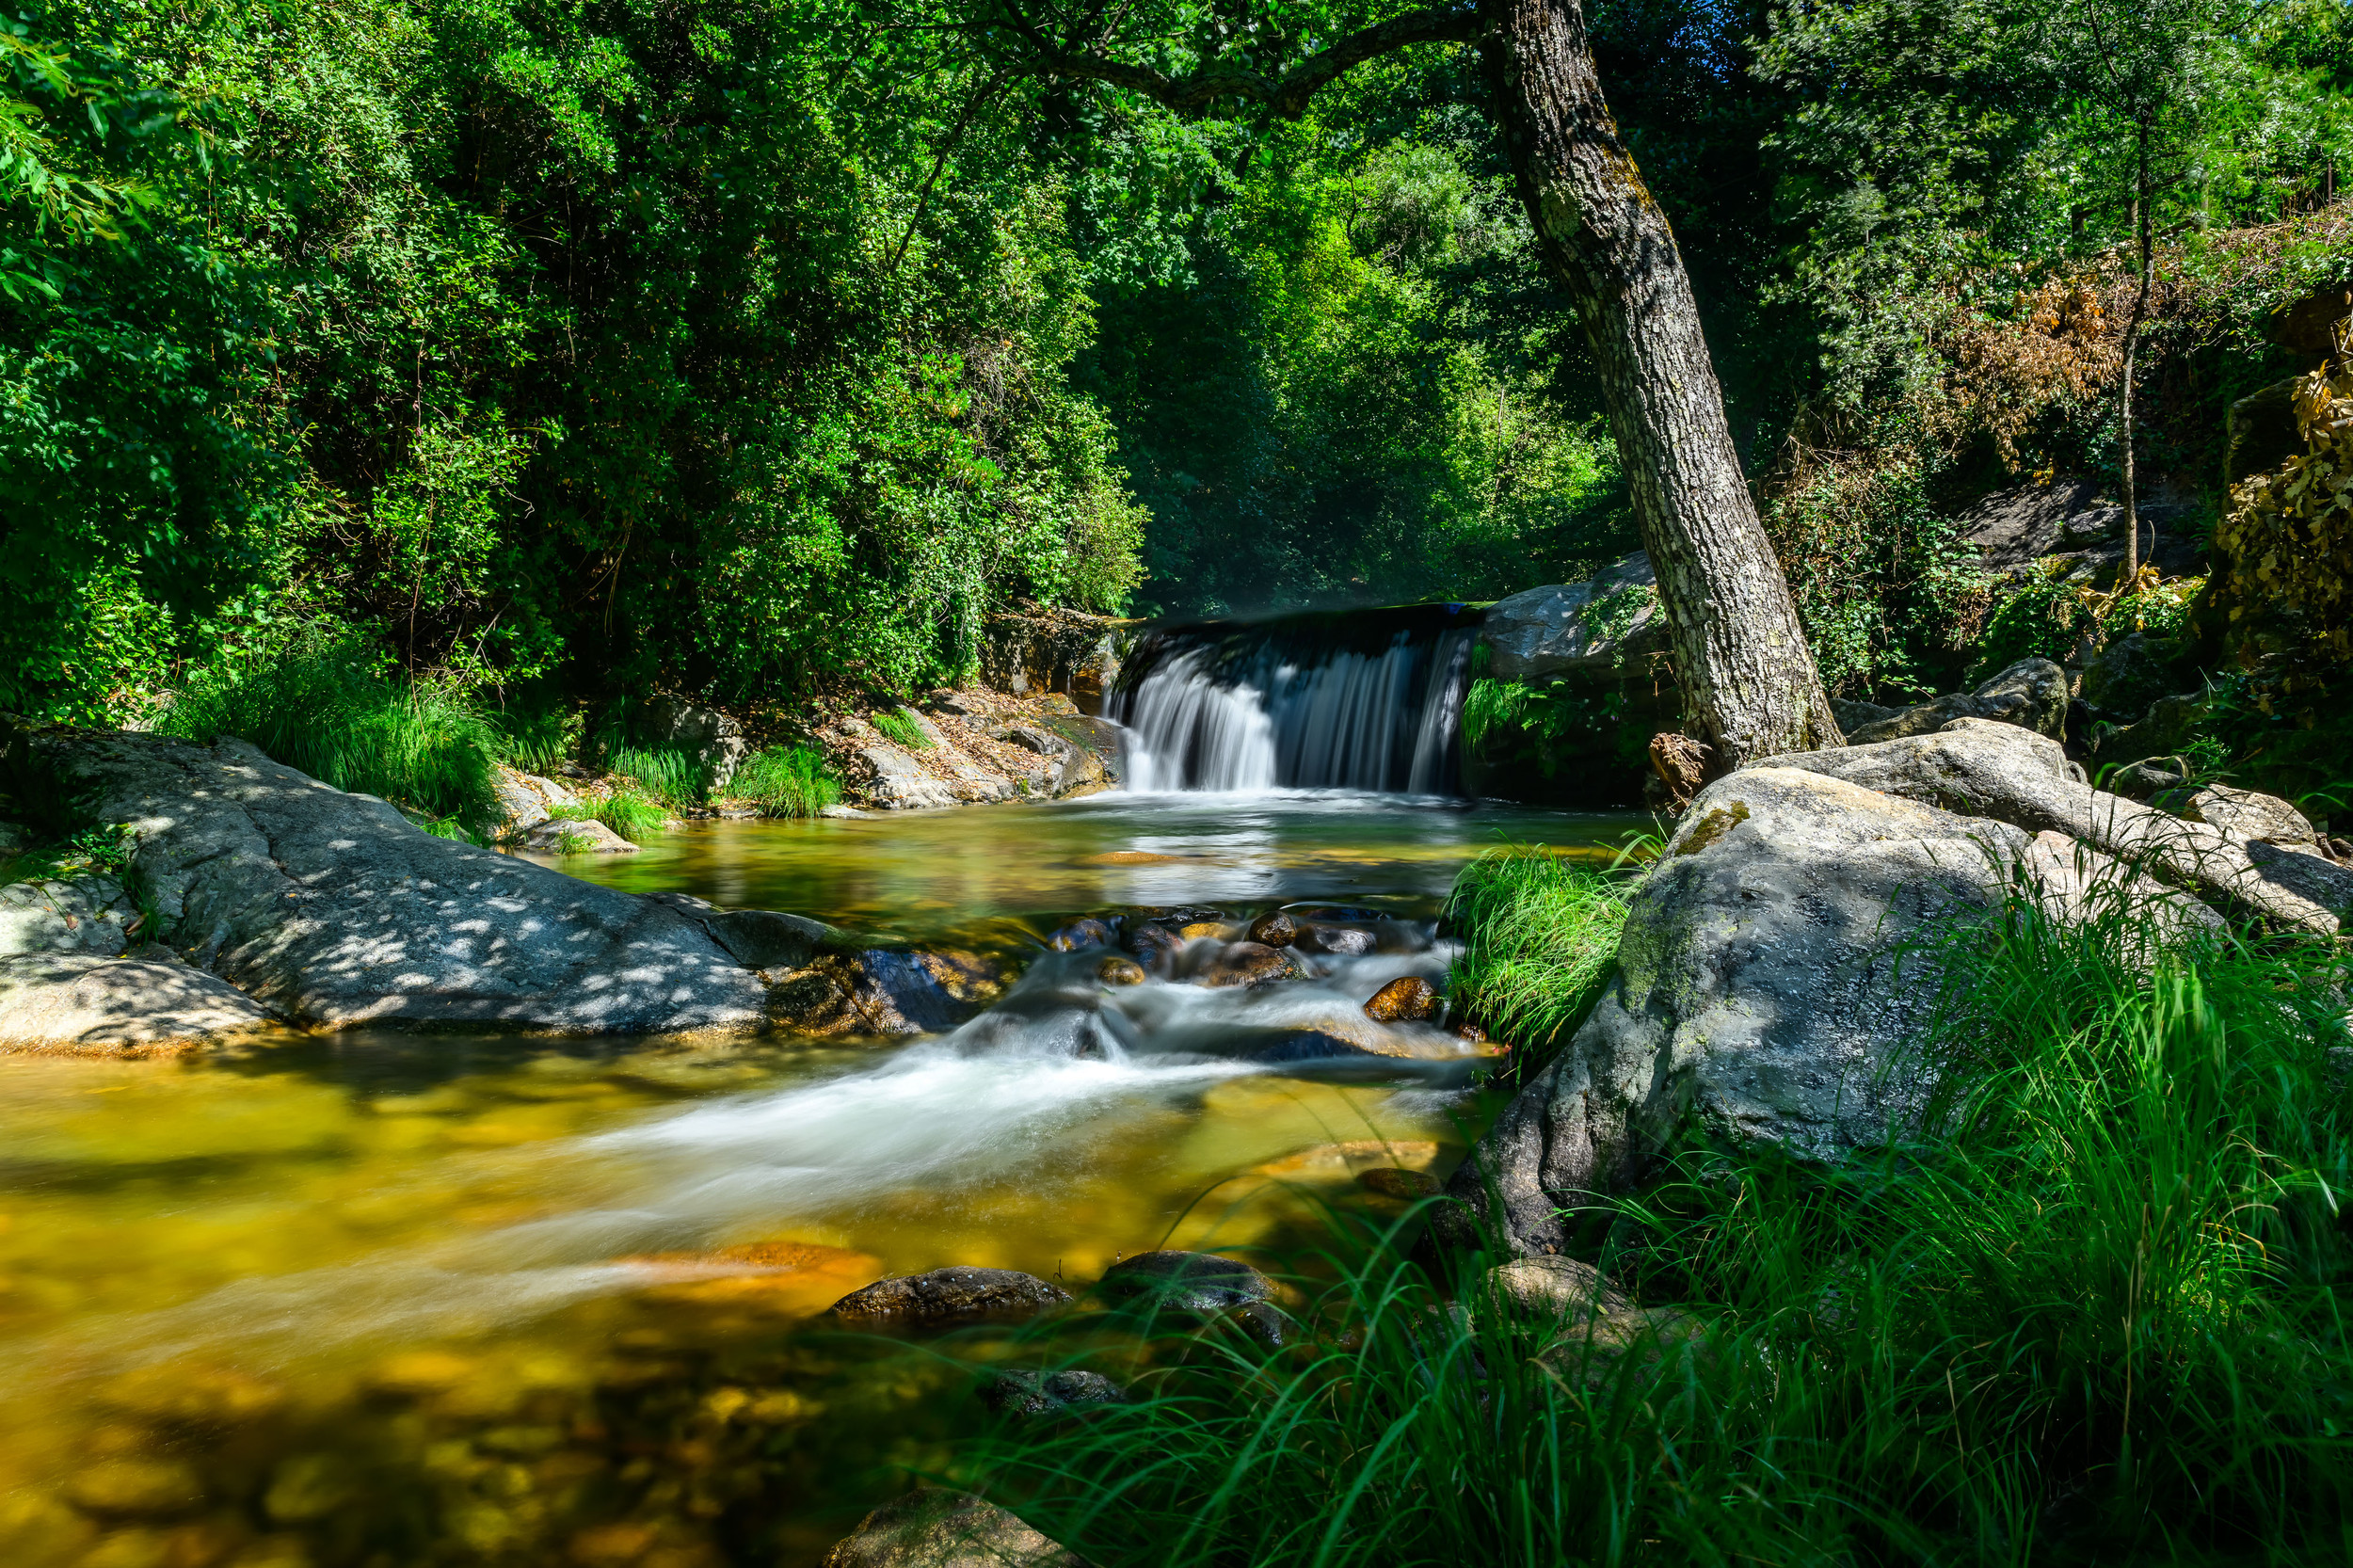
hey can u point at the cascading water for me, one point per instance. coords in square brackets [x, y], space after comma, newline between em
[1356, 700]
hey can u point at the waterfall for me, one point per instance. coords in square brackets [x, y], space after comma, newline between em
[1357, 700]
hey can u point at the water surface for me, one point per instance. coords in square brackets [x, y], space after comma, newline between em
[386, 1298]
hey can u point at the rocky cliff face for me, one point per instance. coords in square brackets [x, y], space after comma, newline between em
[971, 748]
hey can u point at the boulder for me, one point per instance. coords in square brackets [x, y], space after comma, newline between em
[1275, 929]
[523, 798]
[893, 781]
[334, 909]
[935, 1528]
[1757, 992]
[1552, 1288]
[91, 913]
[768, 939]
[712, 738]
[1250, 964]
[2161, 732]
[2031, 694]
[148, 1001]
[2245, 815]
[2071, 883]
[1592, 628]
[883, 991]
[1197, 1281]
[1406, 999]
[955, 1295]
[1999, 772]
[2146, 780]
[574, 836]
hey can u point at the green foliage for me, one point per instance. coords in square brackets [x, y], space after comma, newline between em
[786, 781]
[898, 726]
[2045, 618]
[323, 704]
[628, 811]
[1539, 935]
[2092, 1313]
[664, 774]
[539, 739]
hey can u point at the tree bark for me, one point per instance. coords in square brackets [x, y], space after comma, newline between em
[2141, 219]
[1749, 679]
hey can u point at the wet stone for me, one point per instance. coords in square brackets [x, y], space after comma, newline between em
[1080, 933]
[1340, 941]
[1250, 964]
[1304, 1044]
[1391, 1181]
[1116, 971]
[952, 1296]
[1405, 999]
[1156, 946]
[1276, 930]
[1031, 1394]
[1197, 1282]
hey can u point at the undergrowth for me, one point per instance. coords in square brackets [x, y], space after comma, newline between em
[327, 707]
[627, 811]
[898, 726]
[2087, 1310]
[663, 774]
[1539, 935]
[786, 781]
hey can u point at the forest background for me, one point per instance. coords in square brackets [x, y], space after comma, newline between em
[754, 348]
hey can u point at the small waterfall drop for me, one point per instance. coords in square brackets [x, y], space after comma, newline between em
[1356, 700]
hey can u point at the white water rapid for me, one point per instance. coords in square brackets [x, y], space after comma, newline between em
[1230, 710]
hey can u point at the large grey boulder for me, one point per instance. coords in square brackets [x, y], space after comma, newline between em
[1590, 628]
[90, 1004]
[2030, 694]
[2248, 815]
[334, 909]
[91, 913]
[2007, 775]
[1758, 991]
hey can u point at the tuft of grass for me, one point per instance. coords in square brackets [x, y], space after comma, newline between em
[1539, 935]
[897, 725]
[664, 774]
[627, 811]
[538, 740]
[2090, 1309]
[786, 781]
[325, 706]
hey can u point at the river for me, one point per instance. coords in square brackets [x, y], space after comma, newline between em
[392, 1298]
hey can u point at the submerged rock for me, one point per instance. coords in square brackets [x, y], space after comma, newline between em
[1393, 1181]
[1156, 946]
[1049, 1394]
[935, 1528]
[768, 939]
[1197, 1281]
[1250, 964]
[885, 991]
[334, 909]
[1116, 971]
[1089, 933]
[952, 1296]
[1406, 999]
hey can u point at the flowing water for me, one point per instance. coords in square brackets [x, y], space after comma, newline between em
[390, 1298]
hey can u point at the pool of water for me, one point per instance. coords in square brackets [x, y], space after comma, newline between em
[391, 1298]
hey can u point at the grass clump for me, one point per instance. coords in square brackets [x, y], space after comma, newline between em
[898, 726]
[626, 809]
[1539, 935]
[786, 781]
[664, 774]
[327, 705]
[2087, 1309]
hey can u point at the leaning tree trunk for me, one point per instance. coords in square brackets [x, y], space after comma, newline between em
[1748, 678]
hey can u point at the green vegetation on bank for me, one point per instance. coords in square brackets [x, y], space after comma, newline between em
[2087, 1310]
[1540, 936]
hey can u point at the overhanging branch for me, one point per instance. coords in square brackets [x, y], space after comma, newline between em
[1287, 95]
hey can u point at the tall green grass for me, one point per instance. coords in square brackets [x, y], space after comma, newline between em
[664, 774]
[626, 809]
[1538, 935]
[786, 781]
[2089, 1312]
[898, 725]
[327, 707]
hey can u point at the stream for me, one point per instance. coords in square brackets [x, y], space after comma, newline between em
[395, 1297]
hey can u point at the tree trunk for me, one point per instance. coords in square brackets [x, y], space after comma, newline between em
[1748, 678]
[2132, 352]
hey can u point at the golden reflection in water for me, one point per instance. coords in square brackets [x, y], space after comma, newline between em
[390, 1298]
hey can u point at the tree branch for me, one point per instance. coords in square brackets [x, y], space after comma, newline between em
[1285, 94]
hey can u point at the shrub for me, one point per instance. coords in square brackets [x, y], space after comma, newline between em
[325, 705]
[1539, 935]
[2089, 1312]
[786, 781]
[899, 726]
